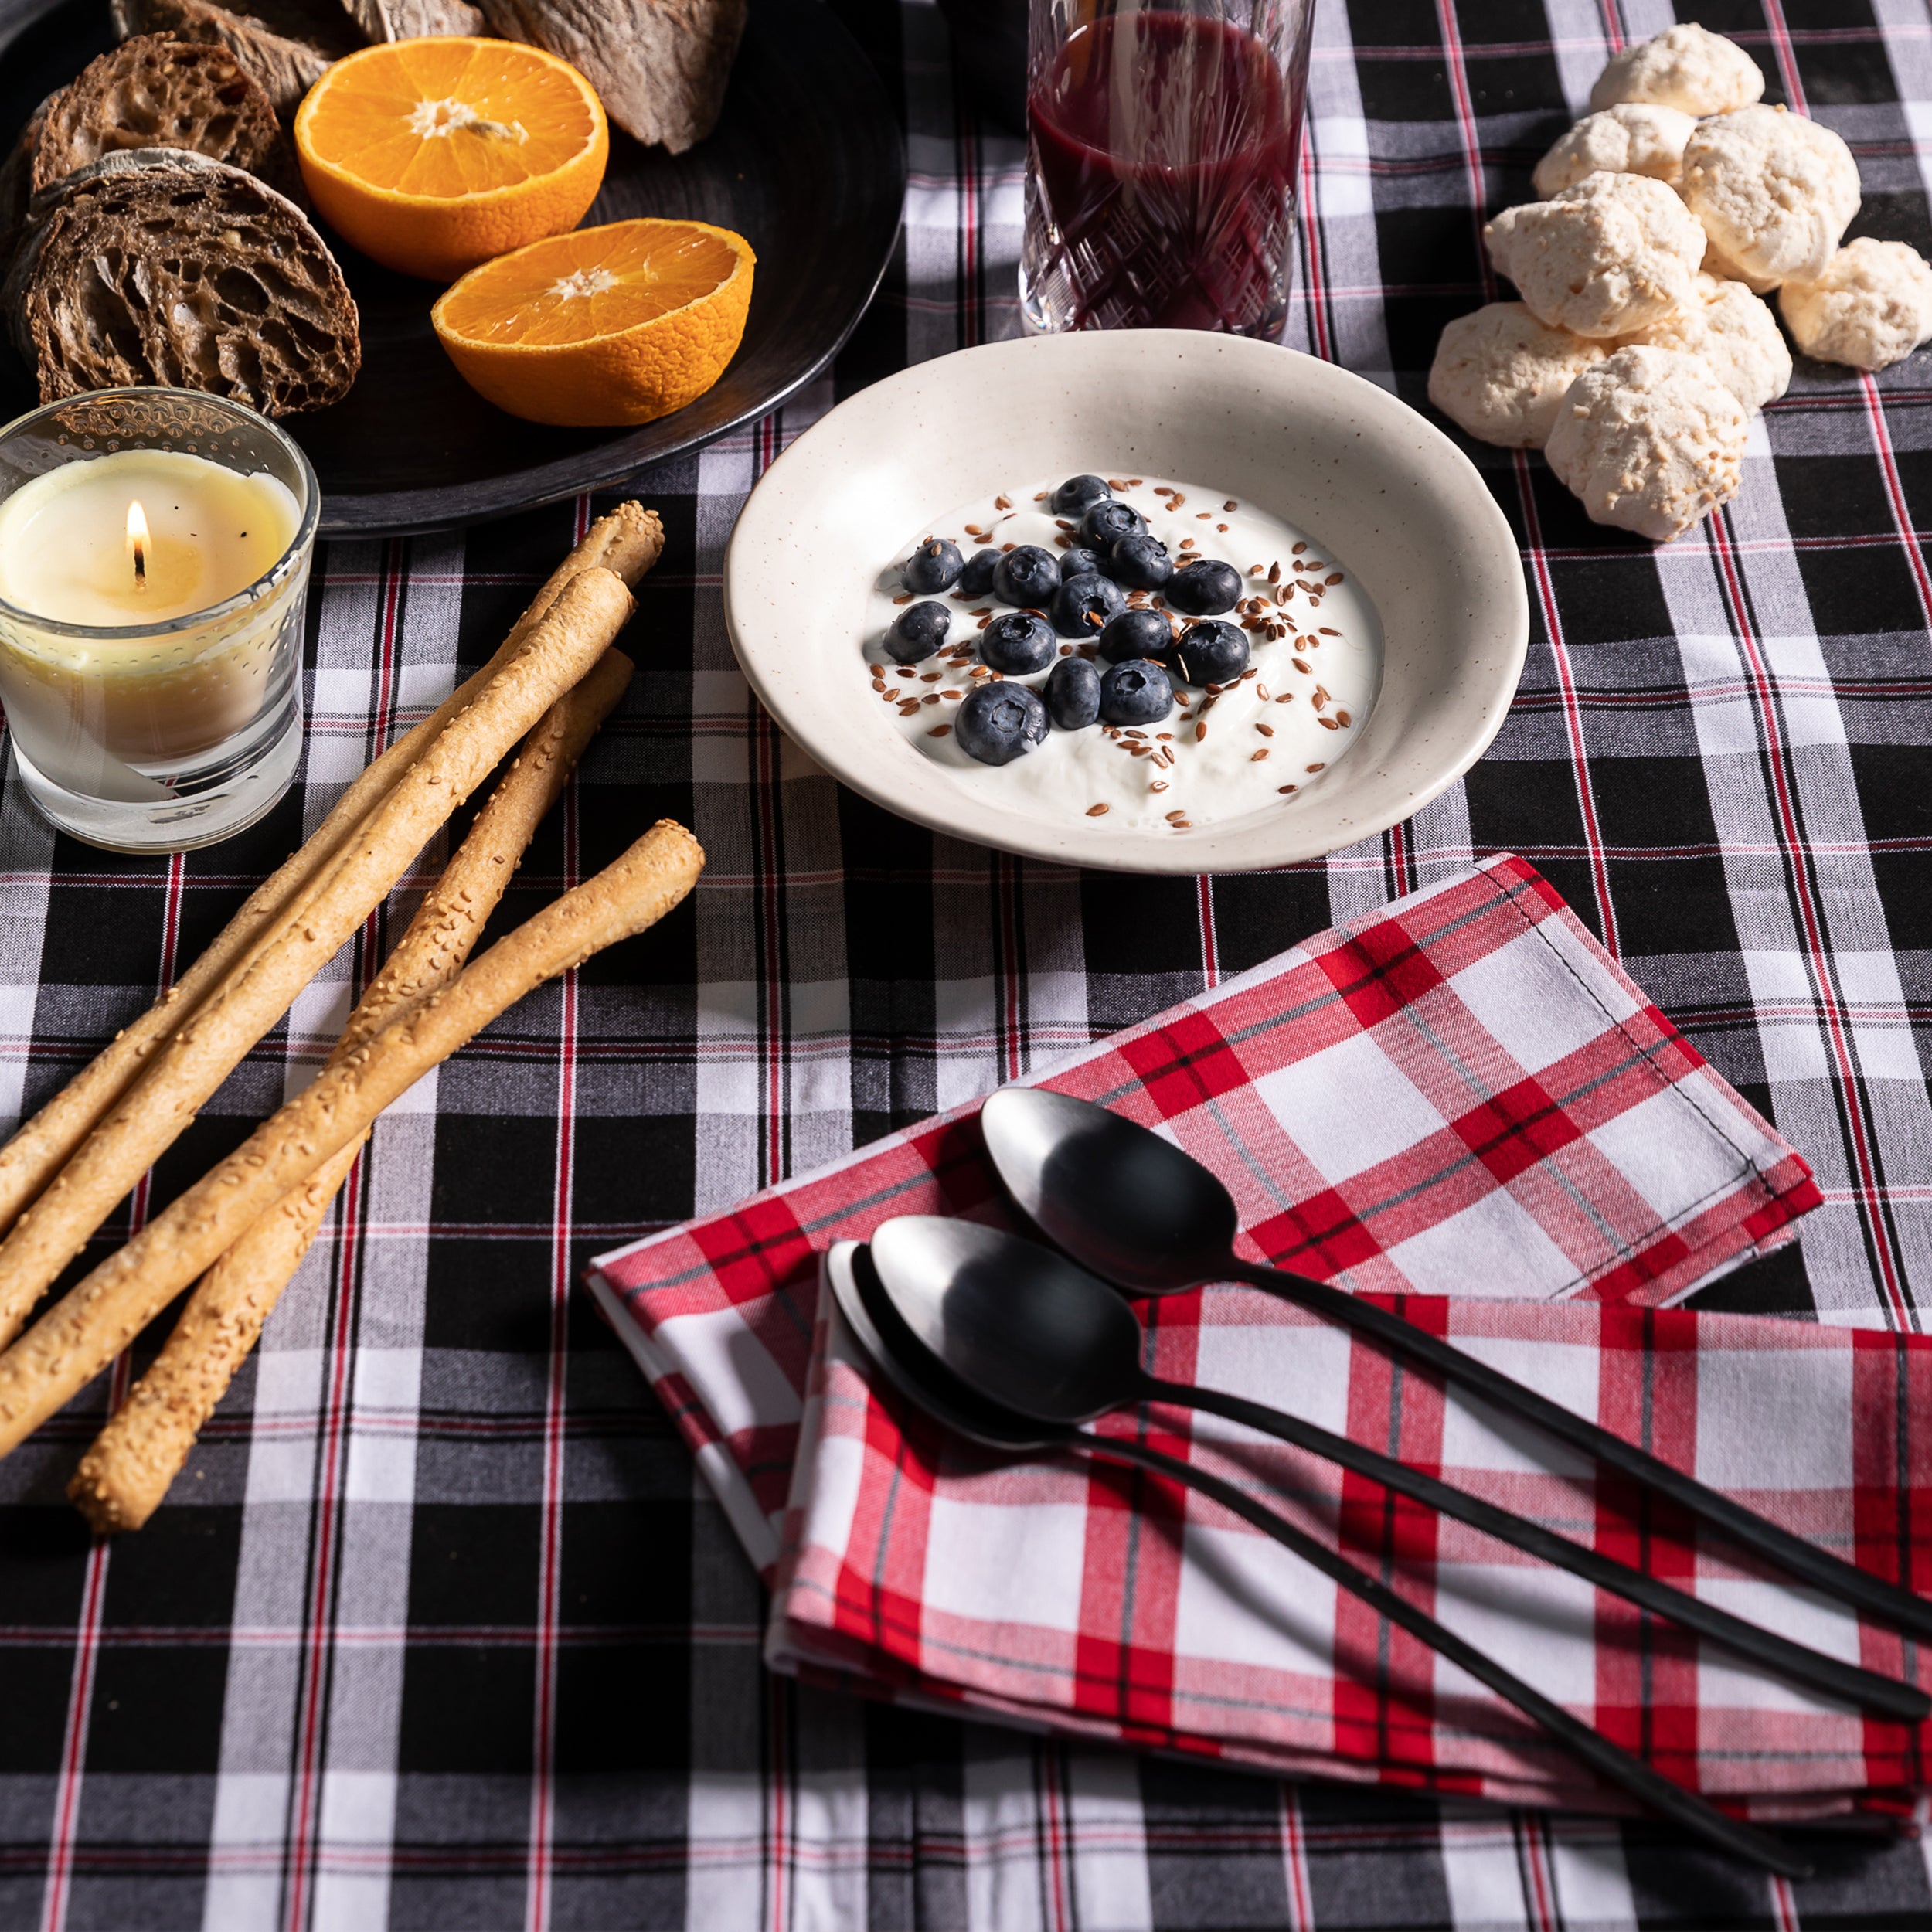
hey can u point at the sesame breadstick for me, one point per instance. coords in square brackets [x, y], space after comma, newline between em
[77, 1338]
[574, 632]
[628, 541]
[125, 1475]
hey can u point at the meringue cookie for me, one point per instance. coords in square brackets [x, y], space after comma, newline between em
[1687, 67]
[1500, 374]
[1633, 137]
[1871, 308]
[1614, 254]
[1773, 191]
[1649, 440]
[1735, 331]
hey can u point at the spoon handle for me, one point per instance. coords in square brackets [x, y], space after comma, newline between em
[1829, 1575]
[1830, 1675]
[1610, 1760]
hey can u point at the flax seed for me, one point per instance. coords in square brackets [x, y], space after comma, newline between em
[1141, 751]
[1266, 730]
[1066, 651]
[1200, 731]
[1230, 505]
[1341, 718]
[1204, 516]
[931, 697]
[1002, 502]
[1318, 767]
[940, 731]
[1327, 724]
[1096, 811]
[1060, 523]
[1118, 483]
[1005, 547]
[1334, 576]
[1296, 549]
[1274, 572]
[1164, 735]
[952, 697]
[1288, 787]
[906, 710]
[983, 622]
[1325, 632]
[1283, 595]
[979, 670]
[1221, 528]
[1065, 543]
[1261, 691]
[904, 599]
[1259, 756]
[1133, 482]
[1303, 665]
[1320, 700]
[1176, 813]
[1251, 672]
[1040, 496]
[1174, 499]
[1184, 825]
[1159, 784]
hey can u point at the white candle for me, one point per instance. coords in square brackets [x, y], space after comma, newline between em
[66, 552]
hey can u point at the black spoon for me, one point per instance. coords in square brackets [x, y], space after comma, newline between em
[930, 1380]
[1067, 1349]
[1139, 1211]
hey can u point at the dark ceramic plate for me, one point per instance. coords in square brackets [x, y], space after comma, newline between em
[806, 163]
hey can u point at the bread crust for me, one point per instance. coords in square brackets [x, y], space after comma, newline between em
[153, 91]
[154, 265]
[284, 44]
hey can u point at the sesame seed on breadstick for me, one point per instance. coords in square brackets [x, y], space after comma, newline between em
[83, 1332]
[628, 541]
[573, 634]
[123, 1477]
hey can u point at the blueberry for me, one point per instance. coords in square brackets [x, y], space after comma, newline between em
[1083, 605]
[1136, 692]
[1073, 690]
[1018, 642]
[917, 632]
[1027, 575]
[934, 566]
[1211, 653]
[1205, 588]
[1079, 563]
[998, 722]
[1074, 496]
[1136, 634]
[1140, 560]
[1106, 523]
[976, 575]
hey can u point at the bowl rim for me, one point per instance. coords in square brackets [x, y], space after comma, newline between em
[1475, 706]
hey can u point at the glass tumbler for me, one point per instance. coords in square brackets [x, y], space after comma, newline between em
[160, 736]
[1162, 146]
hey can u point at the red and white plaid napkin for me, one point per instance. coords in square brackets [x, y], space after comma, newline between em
[1459, 1095]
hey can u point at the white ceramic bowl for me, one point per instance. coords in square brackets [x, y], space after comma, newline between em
[1390, 498]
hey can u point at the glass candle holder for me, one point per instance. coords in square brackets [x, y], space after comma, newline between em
[1163, 142]
[151, 613]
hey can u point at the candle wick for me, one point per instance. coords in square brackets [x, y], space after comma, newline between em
[140, 568]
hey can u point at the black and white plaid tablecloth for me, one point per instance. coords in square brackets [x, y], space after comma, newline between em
[441, 1630]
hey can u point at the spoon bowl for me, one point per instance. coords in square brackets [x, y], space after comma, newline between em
[1026, 1325]
[1117, 1197]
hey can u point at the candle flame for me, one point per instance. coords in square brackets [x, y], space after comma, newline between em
[138, 542]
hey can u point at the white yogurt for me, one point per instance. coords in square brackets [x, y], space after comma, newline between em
[1312, 675]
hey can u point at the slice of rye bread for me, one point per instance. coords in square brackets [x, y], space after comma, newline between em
[153, 91]
[155, 265]
[282, 45]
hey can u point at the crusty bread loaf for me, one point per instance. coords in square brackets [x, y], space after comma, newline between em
[659, 67]
[282, 45]
[153, 91]
[155, 265]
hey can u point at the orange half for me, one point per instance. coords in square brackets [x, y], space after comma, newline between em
[617, 325]
[432, 155]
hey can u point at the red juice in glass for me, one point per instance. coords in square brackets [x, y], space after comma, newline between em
[1160, 182]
